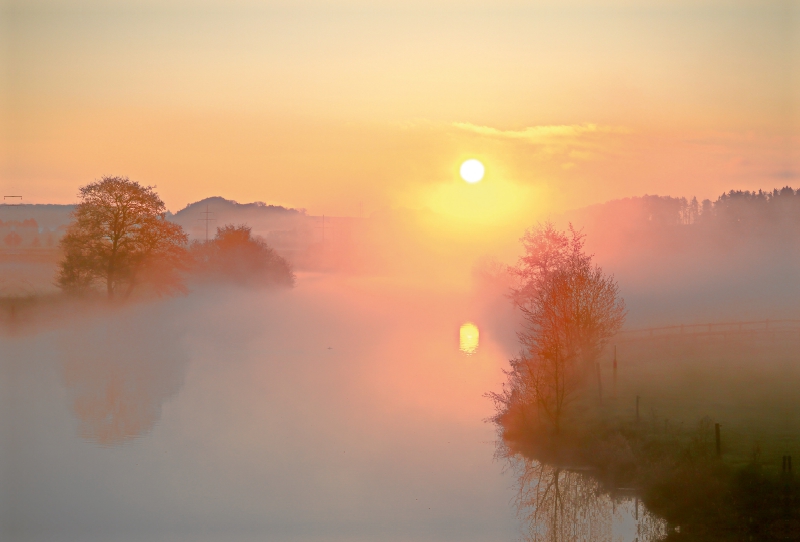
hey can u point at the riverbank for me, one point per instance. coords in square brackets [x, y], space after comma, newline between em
[701, 434]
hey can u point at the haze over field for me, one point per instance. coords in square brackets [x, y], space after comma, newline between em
[679, 261]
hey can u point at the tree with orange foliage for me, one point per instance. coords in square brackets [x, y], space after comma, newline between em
[570, 310]
[120, 238]
[236, 256]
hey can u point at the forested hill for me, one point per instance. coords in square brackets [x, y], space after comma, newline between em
[735, 211]
[221, 211]
[223, 205]
[736, 257]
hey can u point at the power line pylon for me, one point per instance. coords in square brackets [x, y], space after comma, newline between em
[207, 219]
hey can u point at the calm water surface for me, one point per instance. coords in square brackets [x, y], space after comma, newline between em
[346, 409]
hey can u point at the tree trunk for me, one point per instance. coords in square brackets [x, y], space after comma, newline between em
[129, 289]
[110, 281]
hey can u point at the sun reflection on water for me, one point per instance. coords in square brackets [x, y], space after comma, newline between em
[468, 338]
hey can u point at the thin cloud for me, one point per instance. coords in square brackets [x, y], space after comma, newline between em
[538, 134]
[567, 144]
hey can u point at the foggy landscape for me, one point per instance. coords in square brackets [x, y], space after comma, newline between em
[399, 271]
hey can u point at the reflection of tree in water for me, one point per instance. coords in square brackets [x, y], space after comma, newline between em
[118, 377]
[562, 505]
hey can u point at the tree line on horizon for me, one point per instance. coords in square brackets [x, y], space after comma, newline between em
[120, 241]
[15, 233]
[735, 211]
[742, 208]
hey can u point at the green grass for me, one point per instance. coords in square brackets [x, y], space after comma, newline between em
[749, 385]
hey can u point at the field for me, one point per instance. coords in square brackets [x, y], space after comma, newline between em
[749, 383]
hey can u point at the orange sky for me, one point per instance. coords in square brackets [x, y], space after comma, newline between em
[327, 105]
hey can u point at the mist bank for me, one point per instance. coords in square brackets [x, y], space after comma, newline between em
[684, 261]
[677, 260]
[342, 409]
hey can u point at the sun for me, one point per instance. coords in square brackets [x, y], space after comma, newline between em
[472, 171]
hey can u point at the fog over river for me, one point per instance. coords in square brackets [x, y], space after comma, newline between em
[321, 412]
[342, 410]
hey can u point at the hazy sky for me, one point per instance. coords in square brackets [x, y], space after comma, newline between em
[327, 105]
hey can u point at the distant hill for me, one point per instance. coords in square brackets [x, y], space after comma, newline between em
[220, 203]
[261, 217]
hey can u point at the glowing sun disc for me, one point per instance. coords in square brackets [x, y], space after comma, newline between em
[472, 171]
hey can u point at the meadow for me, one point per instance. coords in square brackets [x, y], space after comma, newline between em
[748, 383]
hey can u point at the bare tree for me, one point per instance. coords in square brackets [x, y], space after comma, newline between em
[570, 308]
[120, 238]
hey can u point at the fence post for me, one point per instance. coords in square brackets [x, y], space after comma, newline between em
[615, 372]
[719, 443]
[599, 383]
[637, 409]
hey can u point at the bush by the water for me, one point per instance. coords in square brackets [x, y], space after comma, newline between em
[236, 256]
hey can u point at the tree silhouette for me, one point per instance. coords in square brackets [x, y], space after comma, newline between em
[120, 238]
[13, 239]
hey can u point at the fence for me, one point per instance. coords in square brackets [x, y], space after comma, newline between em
[755, 328]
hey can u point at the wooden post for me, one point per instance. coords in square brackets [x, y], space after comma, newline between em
[615, 372]
[637, 409]
[599, 384]
[719, 443]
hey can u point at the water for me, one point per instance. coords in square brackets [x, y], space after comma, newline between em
[346, 409]
[327, 412]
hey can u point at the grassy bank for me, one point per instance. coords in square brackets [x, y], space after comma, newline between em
[668, 455]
